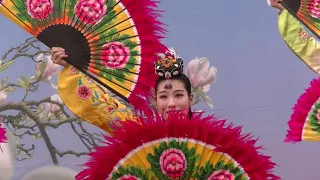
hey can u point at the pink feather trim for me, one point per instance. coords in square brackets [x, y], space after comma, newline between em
[3, 137]
[209, 130]
[301, 111]
[145, 15]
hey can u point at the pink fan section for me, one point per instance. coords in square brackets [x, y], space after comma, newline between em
[209, 130]
[301, 110]
[145, 15]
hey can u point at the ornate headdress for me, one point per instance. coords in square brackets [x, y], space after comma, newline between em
[201, 75]
[168, 65]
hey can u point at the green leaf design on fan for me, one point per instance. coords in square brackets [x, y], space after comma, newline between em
[130, 172]
[314, 121]
[113, 35]
[221, 168]
[173, 155]
[113, 73]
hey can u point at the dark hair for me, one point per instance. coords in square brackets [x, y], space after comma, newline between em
[187, 85]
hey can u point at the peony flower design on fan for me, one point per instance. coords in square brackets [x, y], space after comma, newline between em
[39, 9]
[220, 171]
[115, 55]
[173, 160]
[314, 8]
[90, 11]
[173, 163]
[130, 173]
[314, 117]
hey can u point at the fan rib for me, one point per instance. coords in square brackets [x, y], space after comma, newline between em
[92, 42]
[108, 28]
[64, 12]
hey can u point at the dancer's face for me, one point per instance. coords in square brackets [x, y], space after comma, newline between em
[175, 98]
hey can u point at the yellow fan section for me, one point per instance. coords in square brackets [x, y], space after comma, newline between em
[138, 156]
[308, 134]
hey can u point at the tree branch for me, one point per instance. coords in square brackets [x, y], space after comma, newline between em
[22, 107]
[78, 154]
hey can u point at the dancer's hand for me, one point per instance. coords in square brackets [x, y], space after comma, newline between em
[57, 55]
[276, 4]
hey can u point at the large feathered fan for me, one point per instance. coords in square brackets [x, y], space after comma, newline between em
[306, 11]
[179, 148]
[304, 124]
[111, 41]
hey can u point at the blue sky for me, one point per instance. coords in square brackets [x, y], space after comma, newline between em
[259, 79]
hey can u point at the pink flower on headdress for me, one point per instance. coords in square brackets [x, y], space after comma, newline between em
[91, 11]
[173, 163]
[1, 1]
[200, 74]
[314, 8]
[221, 175]
[39, 9]
[201, 77]
[115, 55]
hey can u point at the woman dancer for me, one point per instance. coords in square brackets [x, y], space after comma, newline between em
[172, 142]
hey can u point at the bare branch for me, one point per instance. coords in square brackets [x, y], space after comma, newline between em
[61, 154]
[58, 123]
[21, 50]
[22, 107]
[27, 152]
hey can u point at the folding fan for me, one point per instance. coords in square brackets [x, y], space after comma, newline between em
[179, 148]
[111, 41]
[306, 11]
[304, 124]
